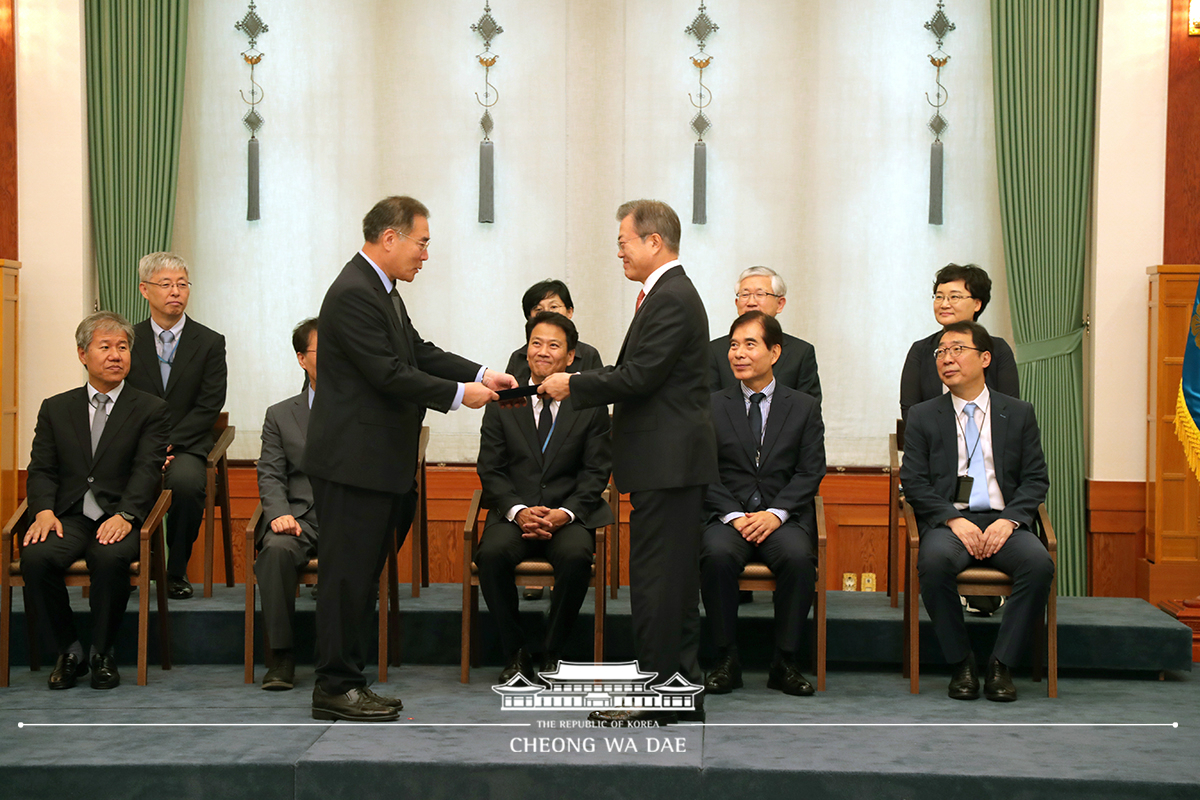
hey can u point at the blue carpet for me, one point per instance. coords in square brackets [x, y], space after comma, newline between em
[866, 737]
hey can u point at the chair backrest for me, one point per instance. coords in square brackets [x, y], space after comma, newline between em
[221, 424]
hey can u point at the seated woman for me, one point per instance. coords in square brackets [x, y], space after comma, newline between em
[959, 293]
[551, 295]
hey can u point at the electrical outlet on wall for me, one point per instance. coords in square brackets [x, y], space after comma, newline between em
[849, 582]
[868, 581]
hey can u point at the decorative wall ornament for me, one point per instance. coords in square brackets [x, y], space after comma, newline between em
[939, 25]
[253, 26]
[489, 29]
[701, 28]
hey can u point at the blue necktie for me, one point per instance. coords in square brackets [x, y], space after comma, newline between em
[167, 357]
[980, 501]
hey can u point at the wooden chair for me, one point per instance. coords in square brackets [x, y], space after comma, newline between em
[388, 622]
[419, 536]
[756, 576]
[528, 573]
[216, 491]
[614, 559]
[981, 581]
[895, 541]
[151, 564]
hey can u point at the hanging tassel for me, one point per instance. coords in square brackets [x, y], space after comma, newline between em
[699, 186]
[487, 201]
[252, 180]
[935, 183]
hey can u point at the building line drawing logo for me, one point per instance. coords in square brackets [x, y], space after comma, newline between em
[590, 685]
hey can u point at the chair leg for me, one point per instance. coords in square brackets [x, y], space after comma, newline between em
[1052, 642]
[467, 618]
[822, 598]
[912, 640]
[143, 636]
[210, 488]
[5, 626]
[249, 632]
[226, 524]
[393, 571]
[160, 586]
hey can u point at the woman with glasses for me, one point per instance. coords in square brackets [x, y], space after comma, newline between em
[959, 293]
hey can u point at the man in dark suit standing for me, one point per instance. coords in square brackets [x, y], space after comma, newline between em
[377, 377]
[287, 536]
[93, 477]
[543, 475]
[664, 447]
[762, 289]
[771, 456]
[974, 475]
[183, 362]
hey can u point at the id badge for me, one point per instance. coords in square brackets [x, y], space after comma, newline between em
[963, 492]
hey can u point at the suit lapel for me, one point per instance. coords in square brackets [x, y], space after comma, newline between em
[144, 358]
[671, 273]
[529, 430]
[781, 406]
[563, 422]
[947, 425]
[116, 418]
[78, 410]
[189, 345]
[999, 422]
[735, 409]
[300, 415]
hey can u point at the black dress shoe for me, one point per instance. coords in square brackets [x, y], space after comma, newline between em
[282, 676]
[548, 662]
[354, 705]
[964, 683]
[383, 700]
[998, 685]
[726, 675]
[178, 588]
[785, 676]
[520, 662]
[104, 671]
[616, 718]
[67, 668]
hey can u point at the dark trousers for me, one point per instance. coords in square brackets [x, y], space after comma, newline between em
[569, 551]
[664, 579]
[943, 555]
[185, 477]
[44, 565]
[788, 552]
[356, 532]
[276, 569]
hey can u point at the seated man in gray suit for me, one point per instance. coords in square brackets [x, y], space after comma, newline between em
[287, 536]
[771, 457]
[88, 496]
[543, 473]
[974, 475]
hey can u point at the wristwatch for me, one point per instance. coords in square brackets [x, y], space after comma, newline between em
[125, 515]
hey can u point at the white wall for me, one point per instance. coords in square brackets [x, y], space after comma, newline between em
[1127, 230]
[53, 217]
[818, 167]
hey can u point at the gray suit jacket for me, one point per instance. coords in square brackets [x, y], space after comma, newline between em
[283, 486]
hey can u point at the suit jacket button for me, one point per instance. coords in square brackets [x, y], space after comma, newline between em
[90, 479]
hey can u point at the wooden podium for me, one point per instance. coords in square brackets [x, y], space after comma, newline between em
[1170, 566]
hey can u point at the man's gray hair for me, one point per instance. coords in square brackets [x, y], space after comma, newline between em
[153, 263]
[102, 321]
[777, 285]
[653, 216]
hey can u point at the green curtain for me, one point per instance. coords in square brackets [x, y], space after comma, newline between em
[136, 51]
[1044, 70]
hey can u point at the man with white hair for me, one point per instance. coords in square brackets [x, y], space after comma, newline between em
[762, 289]
[183, 362]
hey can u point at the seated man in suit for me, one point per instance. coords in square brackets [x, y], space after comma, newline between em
[88, 495]
[543, 473]
[762, 289]
[771, 457]
[551, 295]
[974, 475]
[183, 362]
[288, 534]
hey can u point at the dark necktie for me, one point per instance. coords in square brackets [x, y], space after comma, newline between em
[396, 304]
[755, 417]
[91, 508]
[545, 423]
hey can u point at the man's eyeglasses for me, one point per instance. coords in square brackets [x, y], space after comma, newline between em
[954, 351]
[167, 286]
[623, 243]
[953, 298]
[760, 295]
[421, 243]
